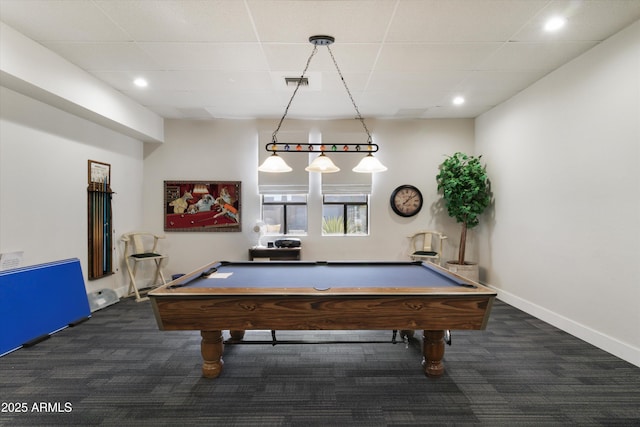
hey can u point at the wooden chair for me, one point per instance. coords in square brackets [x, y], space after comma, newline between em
[422, 247]
[142, 247]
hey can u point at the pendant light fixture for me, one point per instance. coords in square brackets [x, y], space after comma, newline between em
[322, 163]
[369, 164]
[275, 164]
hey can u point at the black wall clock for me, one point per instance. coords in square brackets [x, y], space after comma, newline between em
[406, 200]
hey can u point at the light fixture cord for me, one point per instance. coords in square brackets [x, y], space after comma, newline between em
[350, 96]
[286, 110]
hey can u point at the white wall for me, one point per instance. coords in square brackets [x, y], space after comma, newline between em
[202, 151]
[228, 150]
[43, 182]
[563, 241]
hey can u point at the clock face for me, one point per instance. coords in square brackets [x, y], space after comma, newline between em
[406, 200]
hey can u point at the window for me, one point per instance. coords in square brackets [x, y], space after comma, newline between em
[345, 214]
[285, 213]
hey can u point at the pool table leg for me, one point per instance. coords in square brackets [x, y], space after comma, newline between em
[211, 348]
[236, 336]
[433, 351]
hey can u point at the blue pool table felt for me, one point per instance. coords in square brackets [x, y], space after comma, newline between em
[324, 276]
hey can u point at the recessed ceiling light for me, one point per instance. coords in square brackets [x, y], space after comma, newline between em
[555, 23]
[458, 100]
[140, 82]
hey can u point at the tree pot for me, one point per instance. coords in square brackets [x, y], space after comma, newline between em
[469, 270]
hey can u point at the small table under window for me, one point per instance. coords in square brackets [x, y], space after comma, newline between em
[280, 254]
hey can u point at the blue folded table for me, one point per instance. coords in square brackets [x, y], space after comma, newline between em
[39, 300]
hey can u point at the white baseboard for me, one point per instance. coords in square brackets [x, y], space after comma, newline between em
[121, 291]
[609, 344]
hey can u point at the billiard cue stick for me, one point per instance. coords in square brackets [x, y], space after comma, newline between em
[94, 207]
[205, 219]
[104, 226]
[99, 233]
[95, 235]
[108, 247]
[98, 229]
[90, 225]
[104, 223]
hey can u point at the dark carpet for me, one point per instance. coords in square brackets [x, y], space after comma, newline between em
[118, 369]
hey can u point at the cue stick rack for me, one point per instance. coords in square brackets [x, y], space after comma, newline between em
[100, 225]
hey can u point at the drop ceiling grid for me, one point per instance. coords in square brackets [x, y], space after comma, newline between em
[399, 57]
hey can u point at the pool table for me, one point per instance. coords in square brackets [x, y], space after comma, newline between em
[324, 295]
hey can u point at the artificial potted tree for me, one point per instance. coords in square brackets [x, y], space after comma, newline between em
[464, 185]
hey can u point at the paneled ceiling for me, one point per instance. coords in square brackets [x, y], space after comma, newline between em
[400, 58]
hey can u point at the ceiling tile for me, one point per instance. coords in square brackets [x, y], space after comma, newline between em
[387, 81]
[181, 20]
[534, 56]
[96, 56]
[435, 56]
[63, 20]
[358, 58]
[206, 56]
[460, 20]
[191, 80]
[295, 21]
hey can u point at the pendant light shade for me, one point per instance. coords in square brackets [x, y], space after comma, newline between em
[369, 164]
[322, 164]
[274, 164]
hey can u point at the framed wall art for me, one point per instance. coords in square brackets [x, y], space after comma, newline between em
[202, 206]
